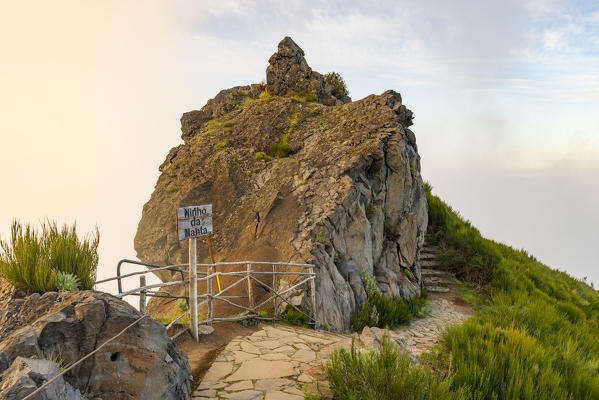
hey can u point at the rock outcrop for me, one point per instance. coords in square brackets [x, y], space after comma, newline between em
[25, 375]
[289, 74]
[140, 363]
[348, 197]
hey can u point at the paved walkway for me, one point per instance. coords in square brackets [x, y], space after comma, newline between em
[275, 363]
[285, 362]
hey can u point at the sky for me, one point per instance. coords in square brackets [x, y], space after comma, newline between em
[505, 97]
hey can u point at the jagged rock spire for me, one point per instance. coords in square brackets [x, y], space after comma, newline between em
[288, 74]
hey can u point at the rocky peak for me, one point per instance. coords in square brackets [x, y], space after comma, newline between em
[289, 74]
[346, 194]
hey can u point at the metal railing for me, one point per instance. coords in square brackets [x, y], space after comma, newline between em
[249, 276]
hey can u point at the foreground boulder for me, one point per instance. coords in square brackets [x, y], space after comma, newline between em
[25, 375]
[326, 182]
[142, 363]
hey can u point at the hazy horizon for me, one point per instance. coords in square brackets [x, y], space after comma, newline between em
[505, 98]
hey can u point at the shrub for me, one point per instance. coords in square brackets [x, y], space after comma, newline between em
[37, 262]
[370, 285]
[266, 97]
[295, 317]
[302, 98]
[262, 156]
[338, 84]
[221, 145]
[385, 374]
[279, 149]
[295, 119]
[314, 110]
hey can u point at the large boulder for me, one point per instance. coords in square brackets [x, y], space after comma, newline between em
[348, 198]
[142, 363]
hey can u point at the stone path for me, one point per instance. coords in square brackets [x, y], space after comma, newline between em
[285, 362]
[422, 334]
[275, 363]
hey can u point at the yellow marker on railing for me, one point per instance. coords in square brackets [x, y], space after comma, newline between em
[213, 262]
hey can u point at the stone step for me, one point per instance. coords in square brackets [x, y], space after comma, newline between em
[428, 263]
[430, 249]
[435, 272]
[434, 280]
[427, 256]
[437, 289]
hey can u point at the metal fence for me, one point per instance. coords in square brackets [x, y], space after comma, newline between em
[251, 275]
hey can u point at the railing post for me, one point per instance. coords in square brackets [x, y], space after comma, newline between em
[210, 309]
[313, 294]
[193, 288]
[250, 296]
[274, 286]
[142, 295]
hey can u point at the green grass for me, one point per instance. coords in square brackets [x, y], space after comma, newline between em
[534, 334]
[294, 317]
[222, 145]
[314, 110]
[295, 120]
[389, 312]
[262, 156]
[41, 261]
[56, 359]
[280, 149]
[385, 374]
[266, 97]
[302, 98]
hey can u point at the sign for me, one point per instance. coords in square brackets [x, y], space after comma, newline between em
[194, 221]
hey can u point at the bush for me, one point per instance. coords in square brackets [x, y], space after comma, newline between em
[279, 149]
[295, 119]
[385, 312]
[295, 317]
[386, 374]
[221, 145]
[339, 87]
[262, 156]
[40, 262]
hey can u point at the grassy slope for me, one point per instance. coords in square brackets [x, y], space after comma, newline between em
[535, 333]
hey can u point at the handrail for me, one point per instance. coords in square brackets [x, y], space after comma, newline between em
[250, 276]
[155, 268]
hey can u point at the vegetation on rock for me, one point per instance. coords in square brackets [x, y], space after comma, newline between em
[339, 86]
[55, 259]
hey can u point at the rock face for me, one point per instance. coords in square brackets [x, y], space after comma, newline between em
[348, 198]
[289, 74]
[25, 375]
[141, 363]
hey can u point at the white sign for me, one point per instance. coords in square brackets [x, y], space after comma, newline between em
[194, 221]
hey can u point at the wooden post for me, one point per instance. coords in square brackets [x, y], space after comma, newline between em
[313, 295]
[274, 286]
[142, 295]
[193, 288]
[250, 296]
[210, 305]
